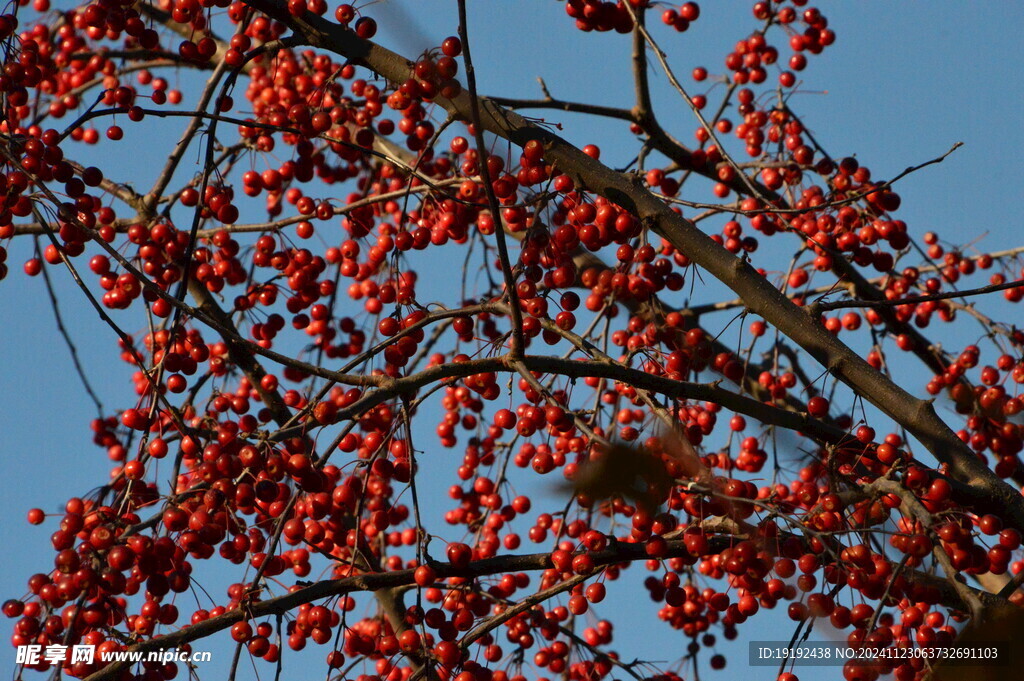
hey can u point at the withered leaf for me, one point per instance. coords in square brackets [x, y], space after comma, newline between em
[624, 471]
[635, 473]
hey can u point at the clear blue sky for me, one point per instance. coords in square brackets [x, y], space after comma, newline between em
[904, 82]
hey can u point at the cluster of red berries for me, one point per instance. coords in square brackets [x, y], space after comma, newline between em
[336, 272]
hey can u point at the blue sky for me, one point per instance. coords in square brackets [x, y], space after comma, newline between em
[903, 82]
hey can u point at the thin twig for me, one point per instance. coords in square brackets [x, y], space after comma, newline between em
[518, 340]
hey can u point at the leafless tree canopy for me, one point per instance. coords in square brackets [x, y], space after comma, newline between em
[353, 267]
